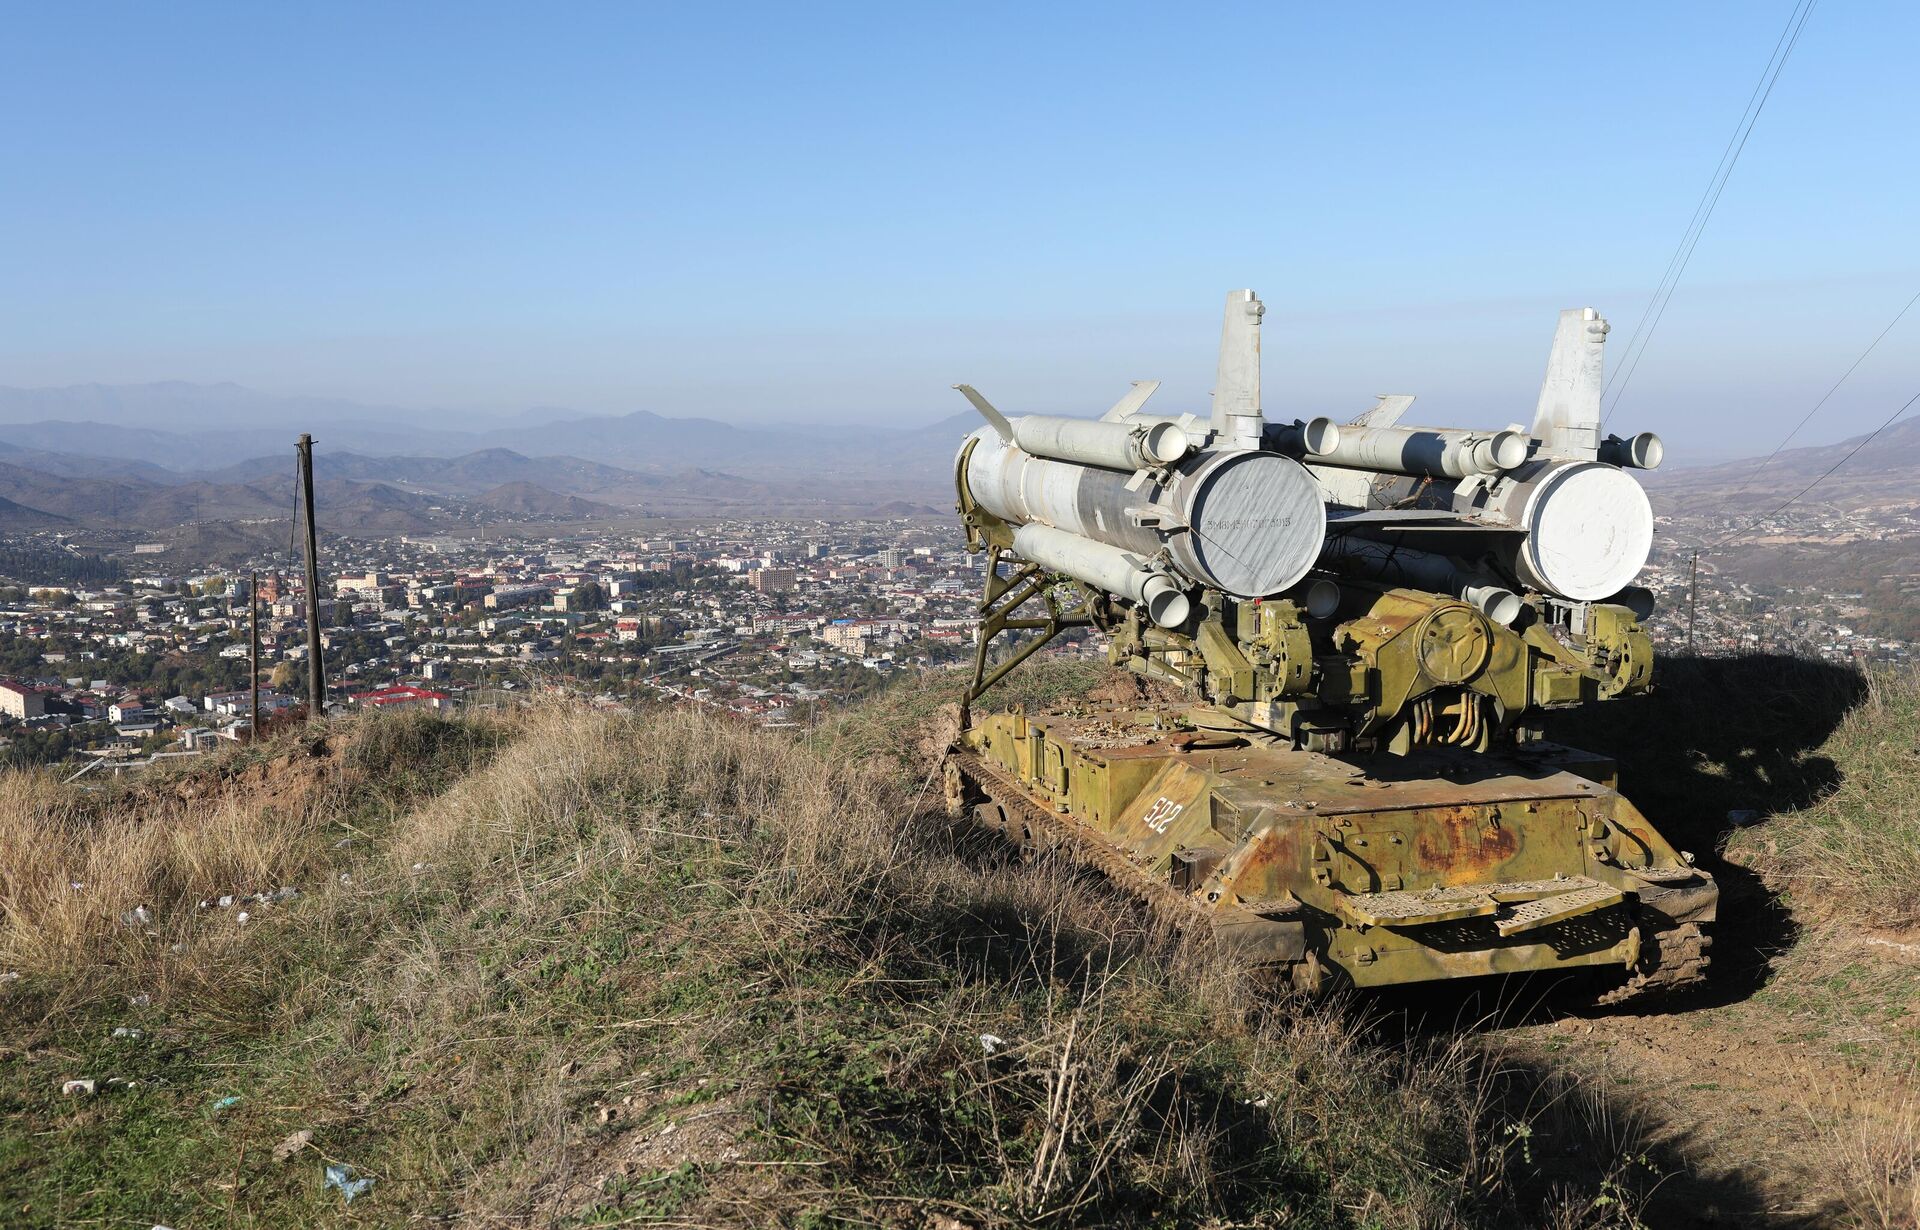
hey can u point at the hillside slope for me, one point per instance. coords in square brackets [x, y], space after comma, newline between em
[532, 500]
[1873, 475]
[570, 968]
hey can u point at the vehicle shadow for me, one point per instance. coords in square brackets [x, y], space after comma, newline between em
[1720, 743]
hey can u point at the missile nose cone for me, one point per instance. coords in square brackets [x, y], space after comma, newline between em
[1165, 443]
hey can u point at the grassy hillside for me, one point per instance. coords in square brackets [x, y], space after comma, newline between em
[572, 968]
[1852, 856]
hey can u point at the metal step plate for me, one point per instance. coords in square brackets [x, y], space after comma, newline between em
[1558, 907]
[1538, 902]
[1405, 909]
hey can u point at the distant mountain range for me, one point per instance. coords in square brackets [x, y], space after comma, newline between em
[1880, 473]
[192, 429]
[166, 462]
[529, 501]
[160, 460]
[138, 503]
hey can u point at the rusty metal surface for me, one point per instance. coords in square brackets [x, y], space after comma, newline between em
[1177, 908]
[1320, 784]
[1383, 871]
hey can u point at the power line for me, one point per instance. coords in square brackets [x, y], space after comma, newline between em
[1695, 221]
[1827, 473]
[1829, 393]
[1656, 308]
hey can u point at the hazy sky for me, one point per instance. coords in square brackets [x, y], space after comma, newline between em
[830, 212]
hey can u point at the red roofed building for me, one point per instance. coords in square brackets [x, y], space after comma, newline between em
[403, 696]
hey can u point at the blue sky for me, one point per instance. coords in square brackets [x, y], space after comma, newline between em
[831, 213]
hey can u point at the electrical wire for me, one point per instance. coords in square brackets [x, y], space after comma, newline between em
[1826, 474]
[1829, 393]
[1656, 308]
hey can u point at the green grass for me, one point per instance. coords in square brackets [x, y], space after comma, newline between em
[674, 969]
[1853, 853]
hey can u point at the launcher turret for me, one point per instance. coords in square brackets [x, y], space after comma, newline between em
[1339, 586]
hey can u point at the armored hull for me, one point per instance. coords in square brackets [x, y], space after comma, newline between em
[1335, 870]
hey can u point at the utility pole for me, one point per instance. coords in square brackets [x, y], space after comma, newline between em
[316, 669]
[1693, 596]
[253, 656]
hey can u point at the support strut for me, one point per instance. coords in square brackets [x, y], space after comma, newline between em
[1006, 594]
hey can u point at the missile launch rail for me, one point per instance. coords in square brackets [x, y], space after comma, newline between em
[1353, 784]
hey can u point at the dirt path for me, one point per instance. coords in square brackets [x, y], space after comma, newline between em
[1783, 1096]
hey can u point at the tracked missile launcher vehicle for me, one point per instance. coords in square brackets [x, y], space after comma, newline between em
[1346, 638]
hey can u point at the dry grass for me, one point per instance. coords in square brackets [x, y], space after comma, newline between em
[1877, 1163]
[605, 968]
[75, 866]
[1827, 758]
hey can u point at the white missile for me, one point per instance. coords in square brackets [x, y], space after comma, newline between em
[1116, 442]
[1442, 452]
[1589, 525]
[1248, 523]
[1229, 516]
[1114, 446]
[1568, 520]
[1105, 567]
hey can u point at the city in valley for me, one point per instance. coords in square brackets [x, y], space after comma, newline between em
[768, 619]
[774, 620]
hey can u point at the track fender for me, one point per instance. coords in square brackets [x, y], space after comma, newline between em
[1261, 940]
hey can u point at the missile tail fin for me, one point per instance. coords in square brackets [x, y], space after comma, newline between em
[1237, 418]
[995, 419]
[1129, 405]
[1384, 413]
[1567, 420]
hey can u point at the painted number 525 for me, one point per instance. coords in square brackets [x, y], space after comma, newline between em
[1163, 813]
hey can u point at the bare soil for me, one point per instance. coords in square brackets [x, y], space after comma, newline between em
[1768, 1102]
